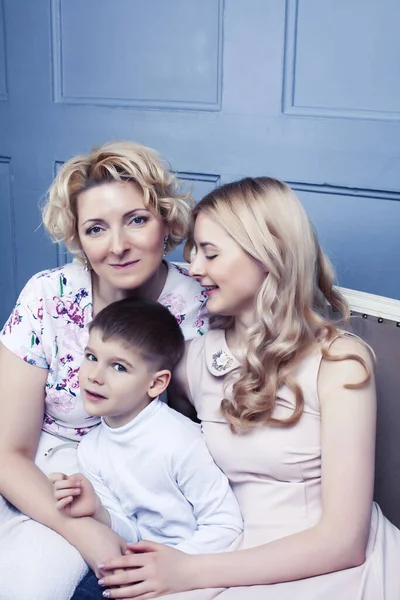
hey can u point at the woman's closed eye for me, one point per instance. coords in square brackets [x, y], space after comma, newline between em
[210, 256]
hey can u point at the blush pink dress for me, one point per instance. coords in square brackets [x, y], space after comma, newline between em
[275, 473]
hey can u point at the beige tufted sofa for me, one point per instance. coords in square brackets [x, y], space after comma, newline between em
[383, 334]
[376, 320]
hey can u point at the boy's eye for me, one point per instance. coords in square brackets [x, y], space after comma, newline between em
[118, 367]
[90, 356]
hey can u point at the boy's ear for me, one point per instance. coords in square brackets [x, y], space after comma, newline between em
[159, 383]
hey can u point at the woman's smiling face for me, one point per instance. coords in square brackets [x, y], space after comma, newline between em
[123, 239]
[230, 276]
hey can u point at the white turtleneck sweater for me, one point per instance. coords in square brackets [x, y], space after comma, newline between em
[156, 478]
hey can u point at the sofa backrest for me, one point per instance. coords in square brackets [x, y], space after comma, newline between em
[384, 337]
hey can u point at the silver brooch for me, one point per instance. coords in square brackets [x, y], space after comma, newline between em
[222, 361]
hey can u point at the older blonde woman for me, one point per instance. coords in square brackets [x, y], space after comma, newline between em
[119, 211]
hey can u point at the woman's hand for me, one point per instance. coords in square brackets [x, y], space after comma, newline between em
[148, 570]
[96, 542]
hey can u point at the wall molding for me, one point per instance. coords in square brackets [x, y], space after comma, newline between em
[62, 254]
[6, 160]
[192, 176]
[4, 92]
[289, 107]
[342, 190]
[114, 102]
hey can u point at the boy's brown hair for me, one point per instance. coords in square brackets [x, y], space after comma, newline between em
[145, 325]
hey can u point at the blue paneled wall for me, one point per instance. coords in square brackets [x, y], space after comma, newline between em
[303, 90]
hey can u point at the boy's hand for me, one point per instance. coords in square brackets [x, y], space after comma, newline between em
[75, 495]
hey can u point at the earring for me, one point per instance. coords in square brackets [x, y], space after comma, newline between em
[85, 260]
[165, 244]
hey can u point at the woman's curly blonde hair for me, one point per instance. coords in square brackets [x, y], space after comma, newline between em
[267, 220]
[116, 161]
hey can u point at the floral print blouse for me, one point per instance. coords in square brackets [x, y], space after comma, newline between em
[48, 328]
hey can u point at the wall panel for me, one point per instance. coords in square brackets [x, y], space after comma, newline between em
[7, 241]
[173, 61]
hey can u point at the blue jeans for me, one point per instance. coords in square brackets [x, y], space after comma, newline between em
[88, 589]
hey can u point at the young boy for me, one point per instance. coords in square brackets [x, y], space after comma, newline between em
[146, 471]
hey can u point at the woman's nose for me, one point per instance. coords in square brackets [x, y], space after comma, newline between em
[196, 267]
[118, 243]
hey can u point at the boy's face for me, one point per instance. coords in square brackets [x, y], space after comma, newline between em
[116, 382]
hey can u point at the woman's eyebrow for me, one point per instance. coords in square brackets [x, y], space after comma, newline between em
[204, 244]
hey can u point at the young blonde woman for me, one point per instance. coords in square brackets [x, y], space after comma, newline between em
[287, 404]
[119, 211]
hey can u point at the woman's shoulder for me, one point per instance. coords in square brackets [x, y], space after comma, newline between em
[340, 346]
[50, 301]
[178, 276]
[71, 274]
[346, 357]
[195, 348]
[58, 281]
[186, 300]
[346, 342]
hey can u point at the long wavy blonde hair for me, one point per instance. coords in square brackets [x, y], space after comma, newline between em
[116, 161]
[267, 220]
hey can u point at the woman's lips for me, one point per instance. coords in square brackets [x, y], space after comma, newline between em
[210, 289]
[125, 265]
